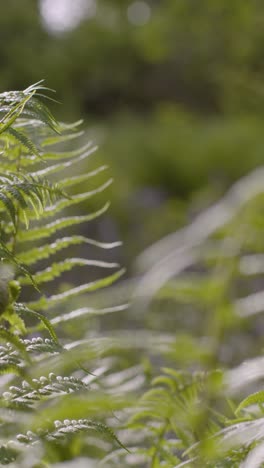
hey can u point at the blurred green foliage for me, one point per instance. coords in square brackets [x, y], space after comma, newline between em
[176, 103]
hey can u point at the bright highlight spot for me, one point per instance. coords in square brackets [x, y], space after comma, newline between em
[60, 16]
[138, 13]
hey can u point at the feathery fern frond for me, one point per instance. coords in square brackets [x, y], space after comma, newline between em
[33, 179]
[36, 254]
[26, 190]
[48, 230]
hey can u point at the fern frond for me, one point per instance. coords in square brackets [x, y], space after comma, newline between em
[74, 180]
[86, 311]
[27, 141]
[10, 356]
[69, 427]
[75, 199]
[60, 155]
[14, 111]
[64, 165]
[5, 253]
[22, 309]
[27, 190]
[49, 229]
[24, 140]
[23, 103]
[56, 269]
[62, 138]
[31, 256]
[16, 342]
[40, 345]
[45, 303]
[40, 389]
[253, 399]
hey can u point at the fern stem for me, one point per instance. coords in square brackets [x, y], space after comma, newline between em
[16, 225]
[154, 459]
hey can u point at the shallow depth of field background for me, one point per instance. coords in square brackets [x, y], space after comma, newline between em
[171, 90]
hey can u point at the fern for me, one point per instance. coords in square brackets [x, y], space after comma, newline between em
[196, 283]
[33, 200]
[184, 386]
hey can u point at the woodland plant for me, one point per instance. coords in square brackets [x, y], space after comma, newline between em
[182, 385]
[49, 391]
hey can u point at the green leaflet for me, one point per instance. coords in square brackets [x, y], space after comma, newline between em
[68, 427]
[41, 345]
[5, 253]
[74, 314]
[22, 138]
[21, 191]
[56, 269]
[75, 199]
[45, 303]
[71, 181]
[253, 399]
[31, 256]
[42, 388]
[49, 229]
[54, 156]
[54, 140]
[22, 309]
[15, 341]
[64, 165]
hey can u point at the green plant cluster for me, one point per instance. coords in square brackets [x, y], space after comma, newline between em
[33, 221]
[183, 384]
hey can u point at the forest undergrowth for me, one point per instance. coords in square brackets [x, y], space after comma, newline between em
[161, 370]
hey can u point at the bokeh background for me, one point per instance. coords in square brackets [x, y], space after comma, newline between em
[172, 91]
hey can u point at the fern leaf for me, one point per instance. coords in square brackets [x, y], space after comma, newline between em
[64, 165]
[62, 138]
[49, 229]
[14, 340]
[10, 356]
[45, 303]
[40, 345]
[24, 189]
[9, 205]
[56, 269]
[22, 309]
[33, 255]
[253, 399]
[60, 155]
[15, 111]
[36, 390]
[8, 255]
[87, 311]
[75, 199]
[68, 427]
[26, 142]
[71, 181]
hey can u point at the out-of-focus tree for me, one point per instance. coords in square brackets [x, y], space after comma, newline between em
[204, 55]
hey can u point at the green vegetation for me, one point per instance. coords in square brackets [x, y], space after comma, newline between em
[161, 365]
[176, 104]
[49, 396]
[183, 385]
